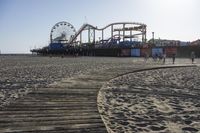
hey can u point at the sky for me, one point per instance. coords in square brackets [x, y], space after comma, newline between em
[26, 24]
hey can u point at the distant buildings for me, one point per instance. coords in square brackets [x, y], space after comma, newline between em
[166, 43]
[174, 43]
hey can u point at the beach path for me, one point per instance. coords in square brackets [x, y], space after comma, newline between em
[66, 106]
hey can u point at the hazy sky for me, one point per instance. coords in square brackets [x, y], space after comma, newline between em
[26, 24]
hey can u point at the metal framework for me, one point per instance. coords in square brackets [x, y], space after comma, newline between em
[119, 30]
[64, 38]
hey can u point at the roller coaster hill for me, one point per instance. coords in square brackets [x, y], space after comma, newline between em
[115, 39]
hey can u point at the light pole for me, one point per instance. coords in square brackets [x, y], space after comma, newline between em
[153, 37]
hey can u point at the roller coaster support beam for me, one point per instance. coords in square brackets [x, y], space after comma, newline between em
[144, 34]
[80, 37]
[123, 31]
[102, 36]
[119, 33]
[131, 35]
[94, 36]
[89, 35]
[111, 31]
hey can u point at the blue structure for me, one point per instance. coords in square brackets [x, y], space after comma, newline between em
[56, 46]
[157, 51]
[135, 52]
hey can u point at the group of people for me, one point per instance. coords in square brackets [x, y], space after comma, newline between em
[156, 56]
[162, 56]
[192, 57]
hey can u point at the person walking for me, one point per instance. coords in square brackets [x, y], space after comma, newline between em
[146, 56]
[192, 56]
[164, 57]
[173, 57]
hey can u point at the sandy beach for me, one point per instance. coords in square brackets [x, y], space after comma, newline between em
[23, 74]
[163, 100]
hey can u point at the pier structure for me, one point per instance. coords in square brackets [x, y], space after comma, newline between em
[91, 40]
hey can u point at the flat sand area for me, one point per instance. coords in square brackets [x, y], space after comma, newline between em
[59, 95]
[22, 74]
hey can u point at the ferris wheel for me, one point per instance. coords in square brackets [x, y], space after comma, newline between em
[62, 32]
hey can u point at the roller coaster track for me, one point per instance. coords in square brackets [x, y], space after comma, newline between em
[93, 27]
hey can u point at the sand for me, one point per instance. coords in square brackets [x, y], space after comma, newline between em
[20, 75]
[126, 104]
[165, 100]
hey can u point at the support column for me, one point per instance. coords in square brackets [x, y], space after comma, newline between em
[51, 38]
[81, 38]
[111, 31]
[130, 35]
[88, 35]
[123, 32]
[153, 37]
[94, 36]
[142, 34]
[145, 37]
[102, 36]
[119, 35]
